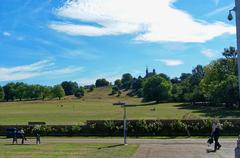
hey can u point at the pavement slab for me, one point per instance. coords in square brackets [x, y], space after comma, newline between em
[185, 149]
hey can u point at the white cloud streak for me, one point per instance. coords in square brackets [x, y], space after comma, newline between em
[170, 62]
[150, 21]
[80, 54]
[6, 34]
[209, 53]
[41, 68]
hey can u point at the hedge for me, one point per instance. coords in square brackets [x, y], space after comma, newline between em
[231, 127]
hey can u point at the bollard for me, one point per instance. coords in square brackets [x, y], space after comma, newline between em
[237, 149]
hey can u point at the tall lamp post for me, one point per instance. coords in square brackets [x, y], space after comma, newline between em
[236, 9]
[123, 105]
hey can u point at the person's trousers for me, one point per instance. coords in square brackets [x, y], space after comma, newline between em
[217, 144]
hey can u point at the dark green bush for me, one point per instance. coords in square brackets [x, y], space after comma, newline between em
[134, 128]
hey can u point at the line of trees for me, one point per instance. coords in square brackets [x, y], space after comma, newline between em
[22, 91]
[215, 83]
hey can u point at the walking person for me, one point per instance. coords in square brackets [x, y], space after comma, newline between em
[216, 129]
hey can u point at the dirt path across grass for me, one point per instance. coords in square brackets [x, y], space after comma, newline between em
[156, 148]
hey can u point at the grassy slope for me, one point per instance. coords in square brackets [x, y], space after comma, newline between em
[67, 150]
[95, 105]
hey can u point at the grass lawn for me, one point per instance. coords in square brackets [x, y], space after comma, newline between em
[97, 105]
[67, 150]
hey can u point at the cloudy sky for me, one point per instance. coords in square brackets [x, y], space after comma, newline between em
[50, 41]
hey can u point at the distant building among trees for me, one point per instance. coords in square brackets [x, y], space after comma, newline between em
[150, 74]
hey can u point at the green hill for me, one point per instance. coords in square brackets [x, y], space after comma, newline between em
[95, 105]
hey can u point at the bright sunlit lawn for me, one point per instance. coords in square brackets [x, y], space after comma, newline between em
[97, 105]
[66, 150]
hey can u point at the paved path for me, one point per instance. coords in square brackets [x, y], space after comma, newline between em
[184, 150]
[158, 148]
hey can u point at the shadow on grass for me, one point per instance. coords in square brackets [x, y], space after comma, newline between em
[111, 146]
[211, 111]
[18, 144]
[143, 104]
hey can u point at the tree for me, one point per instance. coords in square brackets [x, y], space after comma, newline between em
[33, 92]
[126, 80]
[230, 52]
[118, 83]
[1, 93]
[137, 83]
[187, 88]
[219, 84]
[102, 83]
[156, 88]
[175, 80]
[184, 76]
[58, 91]
[45, 92]
[164, 76]
[79, 92]
[9, 91]
[20, 90]
[115, 90]
[69, 87]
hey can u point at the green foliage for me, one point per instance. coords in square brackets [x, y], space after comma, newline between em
[33, 92]
[102, 83]
[45, 92]
[126, 81]
[76, 129]
[220, 84]
[9, 91]
[69, 87]
[118, 83]
[156, 88]
[58, 91]
[1, 93]
[115, 90]
[137, 128]
[230, 52]
[20, 90]
[186, 88]
[110, 126]
[79, 92]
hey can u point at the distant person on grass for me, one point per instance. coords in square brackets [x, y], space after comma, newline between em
[216, 129]
[22, 133]
[14, 137]
[38, 139]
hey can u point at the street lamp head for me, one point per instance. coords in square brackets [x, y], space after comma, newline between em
[230, 16]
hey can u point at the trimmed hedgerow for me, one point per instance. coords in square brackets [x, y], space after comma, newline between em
[134, 128]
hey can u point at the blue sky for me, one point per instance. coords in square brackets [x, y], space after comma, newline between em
[49, 41]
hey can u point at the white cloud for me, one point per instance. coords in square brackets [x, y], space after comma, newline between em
[41, 68]
[81, 54]
[150, 21]
[170, 62]
[209, 53]
[6, 34]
